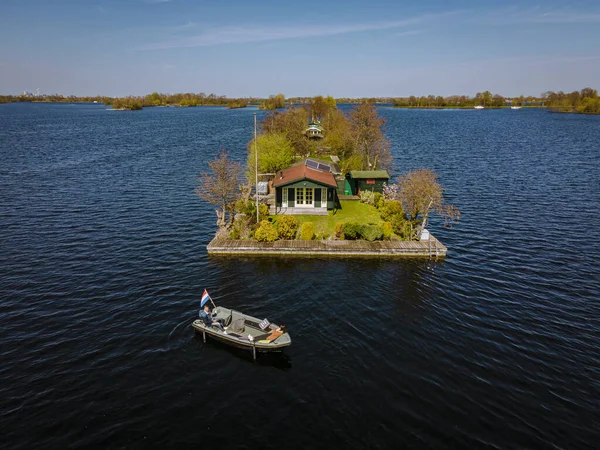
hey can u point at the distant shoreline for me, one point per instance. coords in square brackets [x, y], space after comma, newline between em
[466, 107]
[549, 108]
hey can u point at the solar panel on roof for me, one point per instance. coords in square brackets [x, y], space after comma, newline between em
[312, 164]
[324, 167]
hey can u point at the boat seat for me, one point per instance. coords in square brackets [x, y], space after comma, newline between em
[227, 320]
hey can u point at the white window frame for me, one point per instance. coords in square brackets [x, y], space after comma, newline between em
[284, 199]
[304, 204]
[312, 198]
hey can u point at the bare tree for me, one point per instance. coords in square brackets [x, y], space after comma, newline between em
[221, 187]
[420, 193]
[370, 143]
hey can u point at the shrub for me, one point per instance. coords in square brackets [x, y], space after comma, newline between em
[391, 208]
[339, 230]
[307, 231]
[352, 230]
[377, 199]
[400, 226]
[263, 211]
[367, 197]
[244, 207]
[248, 207]
[390, 191]
[287, 227]
[387, 230]
[241, 227]
[266, 232]
[372, 232]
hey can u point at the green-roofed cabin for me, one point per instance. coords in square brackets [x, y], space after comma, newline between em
[370, 180]
[314, 130]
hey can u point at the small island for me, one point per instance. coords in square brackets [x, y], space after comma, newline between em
[322, 187]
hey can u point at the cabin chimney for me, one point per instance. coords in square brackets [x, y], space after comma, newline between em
[281, 174]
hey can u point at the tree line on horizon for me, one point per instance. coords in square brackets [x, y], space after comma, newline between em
[584, 101]
[139, 102]
[181, 99]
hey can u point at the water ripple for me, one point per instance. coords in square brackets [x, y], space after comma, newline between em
[104, 261]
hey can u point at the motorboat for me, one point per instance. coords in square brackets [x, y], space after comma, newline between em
[244, 331]
[515, 107]
[478, 107]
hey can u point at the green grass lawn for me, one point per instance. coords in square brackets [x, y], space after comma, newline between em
[351, 211]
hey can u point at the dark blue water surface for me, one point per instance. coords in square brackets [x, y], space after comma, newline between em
[103, 261]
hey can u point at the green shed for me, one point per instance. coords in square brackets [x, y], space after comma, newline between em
[371, 180]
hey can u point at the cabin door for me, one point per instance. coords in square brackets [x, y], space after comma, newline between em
[284, 203]
[317, 198]
[304, 197]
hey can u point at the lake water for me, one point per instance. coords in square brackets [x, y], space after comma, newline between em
[103, 262]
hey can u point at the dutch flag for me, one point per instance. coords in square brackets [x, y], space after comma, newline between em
[205, 298]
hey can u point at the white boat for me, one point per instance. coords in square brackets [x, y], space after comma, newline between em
[479, 107]
[515, 107]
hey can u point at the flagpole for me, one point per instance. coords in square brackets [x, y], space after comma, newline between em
[211, 300]
[209, 297]
[256, 164]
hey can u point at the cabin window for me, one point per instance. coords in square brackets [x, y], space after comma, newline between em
[299, 196]
[324, 198]
[284, 202]
[309, 196]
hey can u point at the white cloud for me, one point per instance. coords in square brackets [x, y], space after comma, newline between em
[240, 34]
[408, 33]
[185, 26]
[566, 17]
[247, 34]
[539, 15]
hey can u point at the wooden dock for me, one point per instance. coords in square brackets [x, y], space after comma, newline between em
[431, 248]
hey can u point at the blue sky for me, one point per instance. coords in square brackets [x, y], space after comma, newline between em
[340, 48]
